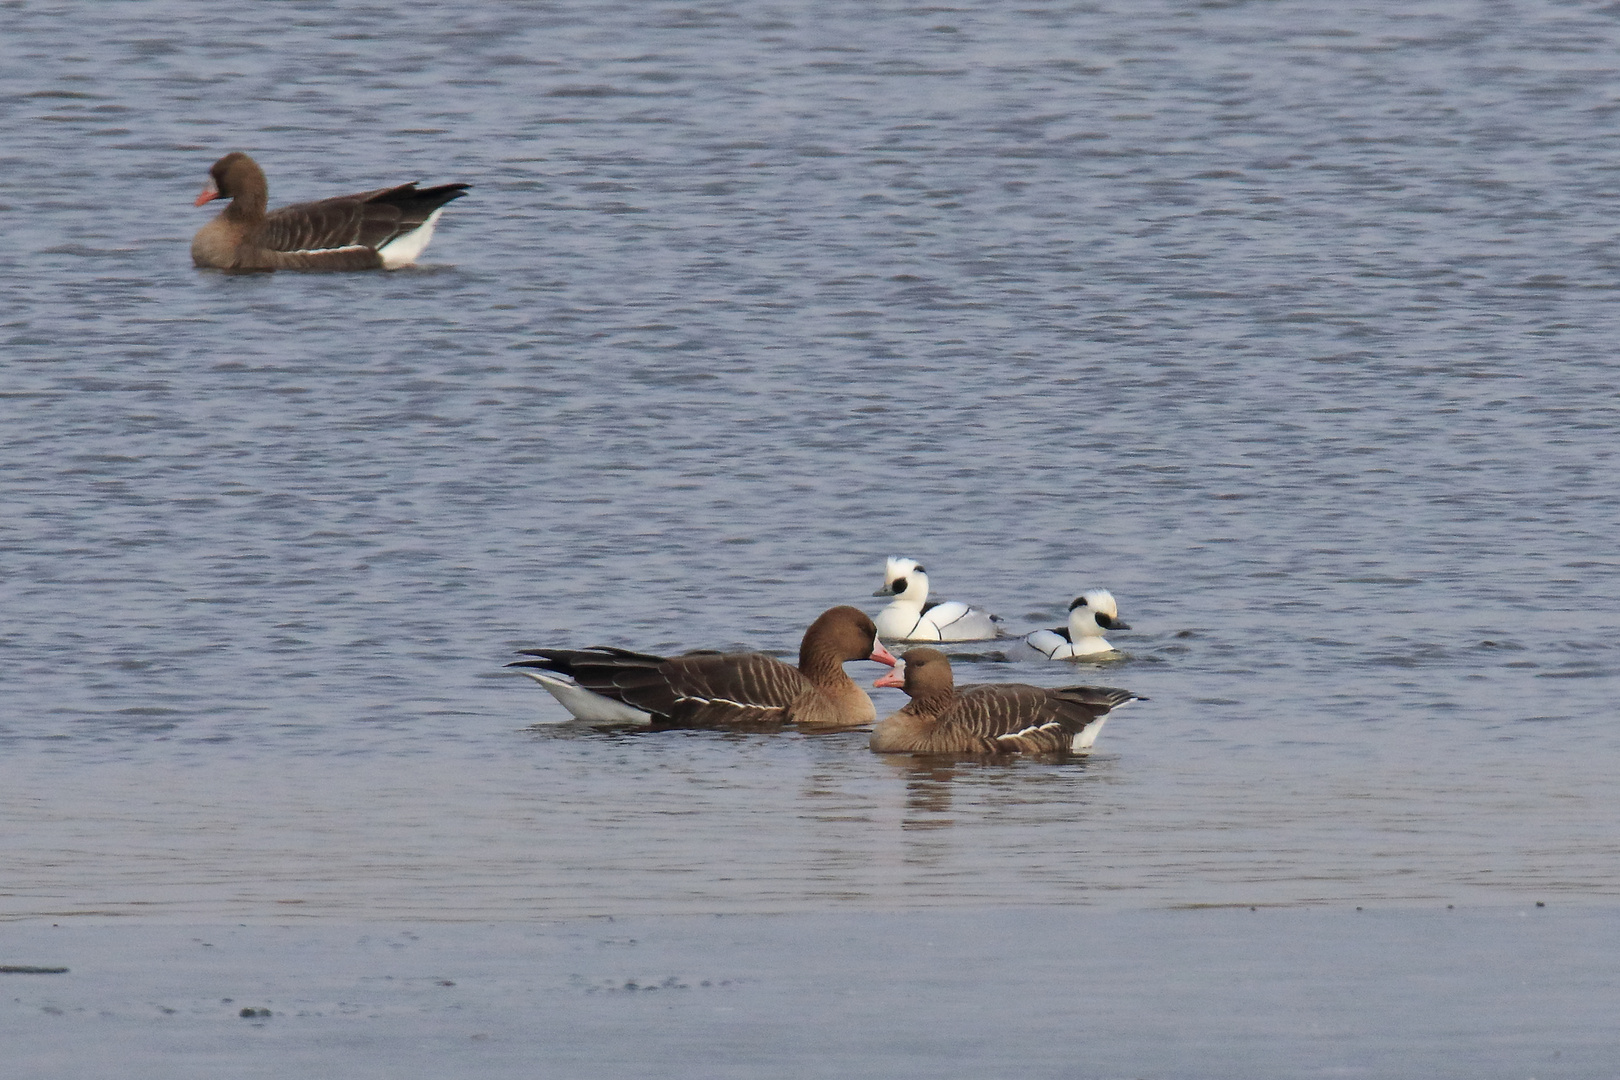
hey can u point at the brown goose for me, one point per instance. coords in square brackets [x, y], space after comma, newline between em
[373, 230]
[988, 718]
[711, 689]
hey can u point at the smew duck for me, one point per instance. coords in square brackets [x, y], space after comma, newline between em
[1089, 616]
[911, 617]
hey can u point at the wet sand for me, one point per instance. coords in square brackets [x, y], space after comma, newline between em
[1066, 992]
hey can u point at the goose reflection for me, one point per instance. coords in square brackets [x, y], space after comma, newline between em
[928, 791]
[993, 788]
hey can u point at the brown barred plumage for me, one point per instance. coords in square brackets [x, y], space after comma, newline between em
[708, 689]
[988, 718]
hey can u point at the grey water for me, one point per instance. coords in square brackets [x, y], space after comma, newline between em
[1450, 994]
[1291, 324]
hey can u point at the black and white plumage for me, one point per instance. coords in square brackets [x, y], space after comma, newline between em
[383, 229]
[989, 718]
[712, 689]
[1089, 616]
[911, 617]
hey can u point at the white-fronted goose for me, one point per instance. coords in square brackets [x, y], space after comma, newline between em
[1089, 616]
[988, 718]
[711, 689]
[373, 230]
[912, 618]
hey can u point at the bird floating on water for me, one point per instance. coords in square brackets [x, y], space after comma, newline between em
[911, 617]
[383, 229]
[1089, 616]
[988, 718]
[713, 689]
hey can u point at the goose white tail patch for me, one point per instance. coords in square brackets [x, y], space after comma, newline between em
[1088, 735]
[405, 249]
[585, 705]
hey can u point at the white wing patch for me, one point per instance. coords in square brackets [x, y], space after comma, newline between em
[1051, 643]
[921, 630]
[953, 620]
[951, 611]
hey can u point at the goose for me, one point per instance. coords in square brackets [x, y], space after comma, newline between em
[382, 229]
[1089, 616]
[988, 718]
[912, 618]
[714, 689]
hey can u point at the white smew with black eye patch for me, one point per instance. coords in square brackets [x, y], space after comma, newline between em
[912, 618]
[1089, 617]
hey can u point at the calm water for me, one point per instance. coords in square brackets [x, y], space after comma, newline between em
[1320, 994]
[1292, 324]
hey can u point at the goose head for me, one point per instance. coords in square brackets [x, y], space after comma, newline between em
[904, 578]
[1093, 614]
[923, 674]
[840, 634]
[236, 176]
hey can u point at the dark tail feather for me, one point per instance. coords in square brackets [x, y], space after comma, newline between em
[418, 203]
[597, 660]
[1109, 696]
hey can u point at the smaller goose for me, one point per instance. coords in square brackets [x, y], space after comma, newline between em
[383, 229]
[1089, 616]
[912, 618]
[712, 689]
[988, 718]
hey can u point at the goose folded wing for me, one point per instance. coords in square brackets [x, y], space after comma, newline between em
[731, 688]
[1012, 717]
[328, 225]
[983, 716]
[1077, 708]
[367, 219]
[1098, 698]
[398, 210]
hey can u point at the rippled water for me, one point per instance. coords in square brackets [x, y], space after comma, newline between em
[1291, 324]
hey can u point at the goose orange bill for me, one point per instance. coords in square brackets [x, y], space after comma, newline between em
[882, 655]
[895, 678]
